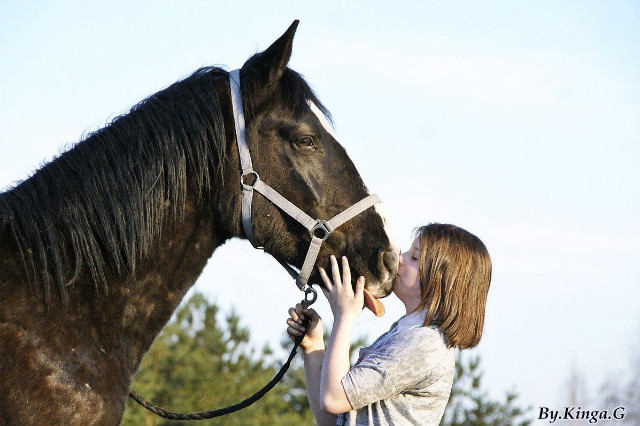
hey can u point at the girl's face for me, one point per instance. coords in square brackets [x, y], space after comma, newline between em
[406, 285]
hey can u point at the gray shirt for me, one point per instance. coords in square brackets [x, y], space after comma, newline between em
[403, 378]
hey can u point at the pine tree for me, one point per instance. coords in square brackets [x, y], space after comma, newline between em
[470, 405]
[199, 363]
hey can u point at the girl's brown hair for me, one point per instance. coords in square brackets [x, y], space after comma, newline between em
[455, 273]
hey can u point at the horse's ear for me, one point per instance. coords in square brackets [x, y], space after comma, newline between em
[267, 67]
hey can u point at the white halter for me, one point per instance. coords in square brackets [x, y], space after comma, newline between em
[319, 229]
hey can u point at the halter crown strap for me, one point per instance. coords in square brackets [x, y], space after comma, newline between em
[318, 229]
[246, 166]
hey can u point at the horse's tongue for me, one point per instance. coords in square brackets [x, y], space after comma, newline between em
[373, 304]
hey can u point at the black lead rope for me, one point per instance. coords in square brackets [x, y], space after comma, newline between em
[221, 411]
[243, 404]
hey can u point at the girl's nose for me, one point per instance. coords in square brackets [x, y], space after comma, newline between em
[400, 259]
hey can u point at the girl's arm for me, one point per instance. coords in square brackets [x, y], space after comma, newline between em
[333, 398]
[324, 370]
[313, 349]
[346, 306]
[313, 373]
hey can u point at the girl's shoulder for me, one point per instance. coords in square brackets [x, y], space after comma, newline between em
[412, 358]
[425, 339]
[421, 342]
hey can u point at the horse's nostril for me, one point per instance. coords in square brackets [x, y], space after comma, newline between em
[389, 264]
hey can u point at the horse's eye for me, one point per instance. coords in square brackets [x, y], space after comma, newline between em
[305, 142]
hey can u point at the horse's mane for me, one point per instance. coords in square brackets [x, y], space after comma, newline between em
[105, 199]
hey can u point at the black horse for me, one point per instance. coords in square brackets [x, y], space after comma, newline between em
[99, 246]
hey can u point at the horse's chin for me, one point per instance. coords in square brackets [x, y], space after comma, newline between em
[379, 290]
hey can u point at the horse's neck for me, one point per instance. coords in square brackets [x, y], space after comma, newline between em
[89, 348]
[142, 303]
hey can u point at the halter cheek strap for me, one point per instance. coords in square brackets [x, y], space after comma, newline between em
[318, 229]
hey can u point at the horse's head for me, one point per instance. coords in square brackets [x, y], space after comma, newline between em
[294, 152]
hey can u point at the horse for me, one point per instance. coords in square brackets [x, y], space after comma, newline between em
[99, 246]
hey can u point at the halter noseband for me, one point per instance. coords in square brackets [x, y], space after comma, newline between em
[318, 229]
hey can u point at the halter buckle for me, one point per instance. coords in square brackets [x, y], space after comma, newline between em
[251, 184]
[321, 230]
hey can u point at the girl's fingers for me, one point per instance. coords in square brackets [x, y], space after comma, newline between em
[293, 314]
[293, 332]
[335, 271]
[360, 285]
[346, 272]
[328, 285]
[311, 313]
[299, 313]
[294, 327]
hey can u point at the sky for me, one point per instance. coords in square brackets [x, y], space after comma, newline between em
[517, 121]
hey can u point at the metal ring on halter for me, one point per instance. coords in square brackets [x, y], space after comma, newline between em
[246, 185]
[314, 295]
[324, 230]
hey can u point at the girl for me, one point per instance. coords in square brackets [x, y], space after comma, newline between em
[405, 376]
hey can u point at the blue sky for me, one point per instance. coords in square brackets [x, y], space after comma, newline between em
[515, 120]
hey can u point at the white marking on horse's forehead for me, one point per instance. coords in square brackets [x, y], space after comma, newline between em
[323, 119]
[388, 228]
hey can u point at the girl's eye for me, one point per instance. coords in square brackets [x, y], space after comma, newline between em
[305, 142]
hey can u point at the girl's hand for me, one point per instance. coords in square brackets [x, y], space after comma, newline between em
[344, 302]
[313, 339]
